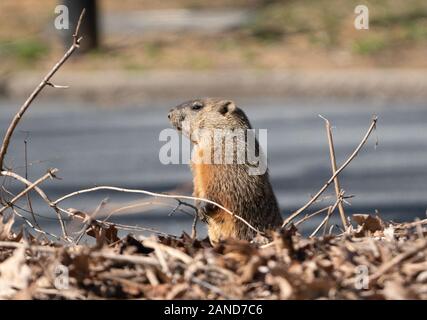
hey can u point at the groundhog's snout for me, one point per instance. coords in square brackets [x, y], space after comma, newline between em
[176, 117]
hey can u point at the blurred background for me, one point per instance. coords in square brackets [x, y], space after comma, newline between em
[283, 62]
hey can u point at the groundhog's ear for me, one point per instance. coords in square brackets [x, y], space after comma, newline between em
[227, 107]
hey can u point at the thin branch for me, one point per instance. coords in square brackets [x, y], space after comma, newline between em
[398, 260]
[210, 287]
[334, 169]
[140, 229]
[346, 163]
[89, 220]
[76, 36]
[142, 204]
[100, 254]
[56, 86]
[37, 90]
[42, 195]
[30, 206]
[106, 224]
[178, 254]
[309, 216]
[330, 211]
[413, 224]
[71, 214]
[154, 194]
[49, 174]
[35, 227]
[194, 226]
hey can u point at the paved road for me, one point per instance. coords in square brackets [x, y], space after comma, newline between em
[96, 146]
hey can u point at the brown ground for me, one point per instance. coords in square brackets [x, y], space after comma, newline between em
[377, 260]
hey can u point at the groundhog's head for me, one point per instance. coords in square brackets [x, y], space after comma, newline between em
[207, 113]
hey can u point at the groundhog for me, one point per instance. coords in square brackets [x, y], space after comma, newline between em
[227, 183]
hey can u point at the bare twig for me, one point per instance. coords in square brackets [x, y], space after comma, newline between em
[30, 206]
[343, 166]
[153, 194]
[161, 257]
[37, 90]
[398, 260]
[56, 86]
[126, 258]
[330, 211]
[334, 169]
[89, 220]
[413, 224]
[36, 228]
[76, 36]
[309, 216]
[99, 254]
[42, 195]
[28, 183]
[169, 250]
[141, 204]
[17, 245]
[194, 226]
[210, 287]
[140, 229]
[49, 174]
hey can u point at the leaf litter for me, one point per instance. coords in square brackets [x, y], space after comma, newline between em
[373, 260]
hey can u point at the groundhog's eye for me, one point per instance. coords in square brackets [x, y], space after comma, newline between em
[197, 106]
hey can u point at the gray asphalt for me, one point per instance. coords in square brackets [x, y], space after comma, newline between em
[91, 145]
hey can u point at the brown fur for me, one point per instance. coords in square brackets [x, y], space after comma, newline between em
[230, 185]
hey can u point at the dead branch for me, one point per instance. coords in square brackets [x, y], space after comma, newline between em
[28, 183]
[30, 205]
[398, 260]
[311, 215]
[126, 258]
[139, 229]
[89, 220]
[49, 174]
[99, 254]
[330, 211]
[334, 169]
[153, 194]
[42, 195]
[37, 90]
[34, 227]
[194, 226]
[169, 250]
[343, 166]
[210, 287]
[16, 245]
[413, 224]
[146, 203]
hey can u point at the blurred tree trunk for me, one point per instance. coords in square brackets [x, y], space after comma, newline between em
[89, 27]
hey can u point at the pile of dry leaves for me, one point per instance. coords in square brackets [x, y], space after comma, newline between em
[376, 260]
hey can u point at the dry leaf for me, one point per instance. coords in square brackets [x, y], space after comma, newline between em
[6, 228]
[15, 275]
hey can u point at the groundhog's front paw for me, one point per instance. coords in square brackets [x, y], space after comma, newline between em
[205, 210]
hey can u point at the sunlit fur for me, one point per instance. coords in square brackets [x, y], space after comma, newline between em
[230, 185]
